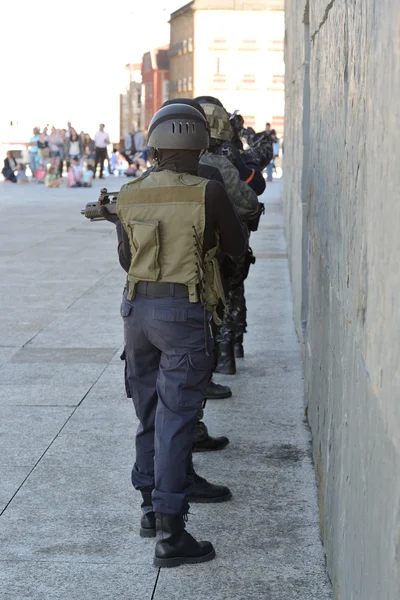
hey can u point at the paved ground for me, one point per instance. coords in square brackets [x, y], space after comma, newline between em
[69, 520]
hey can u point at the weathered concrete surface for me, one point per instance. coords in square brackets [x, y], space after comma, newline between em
[69, 523]
[342, 166]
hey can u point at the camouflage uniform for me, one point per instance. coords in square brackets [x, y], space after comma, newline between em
[242, 196]
[234, 272]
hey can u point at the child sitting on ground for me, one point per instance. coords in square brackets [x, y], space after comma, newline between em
[88, 176]
[52, 179]
[78, 172]
[71, 179]
[40, 174]
[21, 174]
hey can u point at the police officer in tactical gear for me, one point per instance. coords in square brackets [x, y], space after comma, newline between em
[204, 491]
[239, 185]
[176, 223]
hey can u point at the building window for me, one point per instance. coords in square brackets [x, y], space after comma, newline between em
[277, 82]
[276, 46]
[251, 79]
[219, 44]
[185, 84]
[249, 120]
[190, 45]
[190, 84]
[179, 85]
[185, 46]
[249, 45]
[248, 81]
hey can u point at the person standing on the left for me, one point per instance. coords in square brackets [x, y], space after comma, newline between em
[101, 141]
[34, 159]
[10, 165]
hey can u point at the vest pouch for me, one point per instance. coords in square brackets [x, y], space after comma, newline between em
[213, 289]
[145, 245]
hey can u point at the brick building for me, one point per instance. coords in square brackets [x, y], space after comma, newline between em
[154, 83]
[231, 49]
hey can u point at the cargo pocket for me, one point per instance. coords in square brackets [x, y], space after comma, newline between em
[198, 373]
[125, 309]
[184, 380]
[145, 242]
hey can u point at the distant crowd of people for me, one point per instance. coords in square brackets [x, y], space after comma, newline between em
[81, 158]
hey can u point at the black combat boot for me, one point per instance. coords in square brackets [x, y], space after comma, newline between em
[205, 492]
[175, 546]
[238, 348]
[216, 391]
[203, 442]
[148, 519]
[226, 358]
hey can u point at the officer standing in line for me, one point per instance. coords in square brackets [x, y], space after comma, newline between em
[204, 491]
[176, 222]
[239, 185]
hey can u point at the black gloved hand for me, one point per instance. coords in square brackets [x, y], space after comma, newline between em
[112, 218]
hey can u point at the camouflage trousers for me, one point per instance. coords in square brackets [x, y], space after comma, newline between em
[234, 321]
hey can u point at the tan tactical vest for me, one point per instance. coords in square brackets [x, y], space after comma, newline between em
[164, 217]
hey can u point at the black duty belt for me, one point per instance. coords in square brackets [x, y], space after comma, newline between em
[161, 289]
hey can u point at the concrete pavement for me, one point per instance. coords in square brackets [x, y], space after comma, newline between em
[69, 517]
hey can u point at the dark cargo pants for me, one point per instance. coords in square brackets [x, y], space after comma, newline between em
[168, 370]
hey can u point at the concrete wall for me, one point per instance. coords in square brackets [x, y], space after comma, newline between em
[342, 207]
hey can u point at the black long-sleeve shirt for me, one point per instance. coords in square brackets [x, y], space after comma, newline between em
[220, 216]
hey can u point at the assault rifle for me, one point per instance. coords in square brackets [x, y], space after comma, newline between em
[259, 145]
[106, 199]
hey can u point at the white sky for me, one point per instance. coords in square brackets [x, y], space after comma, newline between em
[65, 60]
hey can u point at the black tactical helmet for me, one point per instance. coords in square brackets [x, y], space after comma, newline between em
[178, 127]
